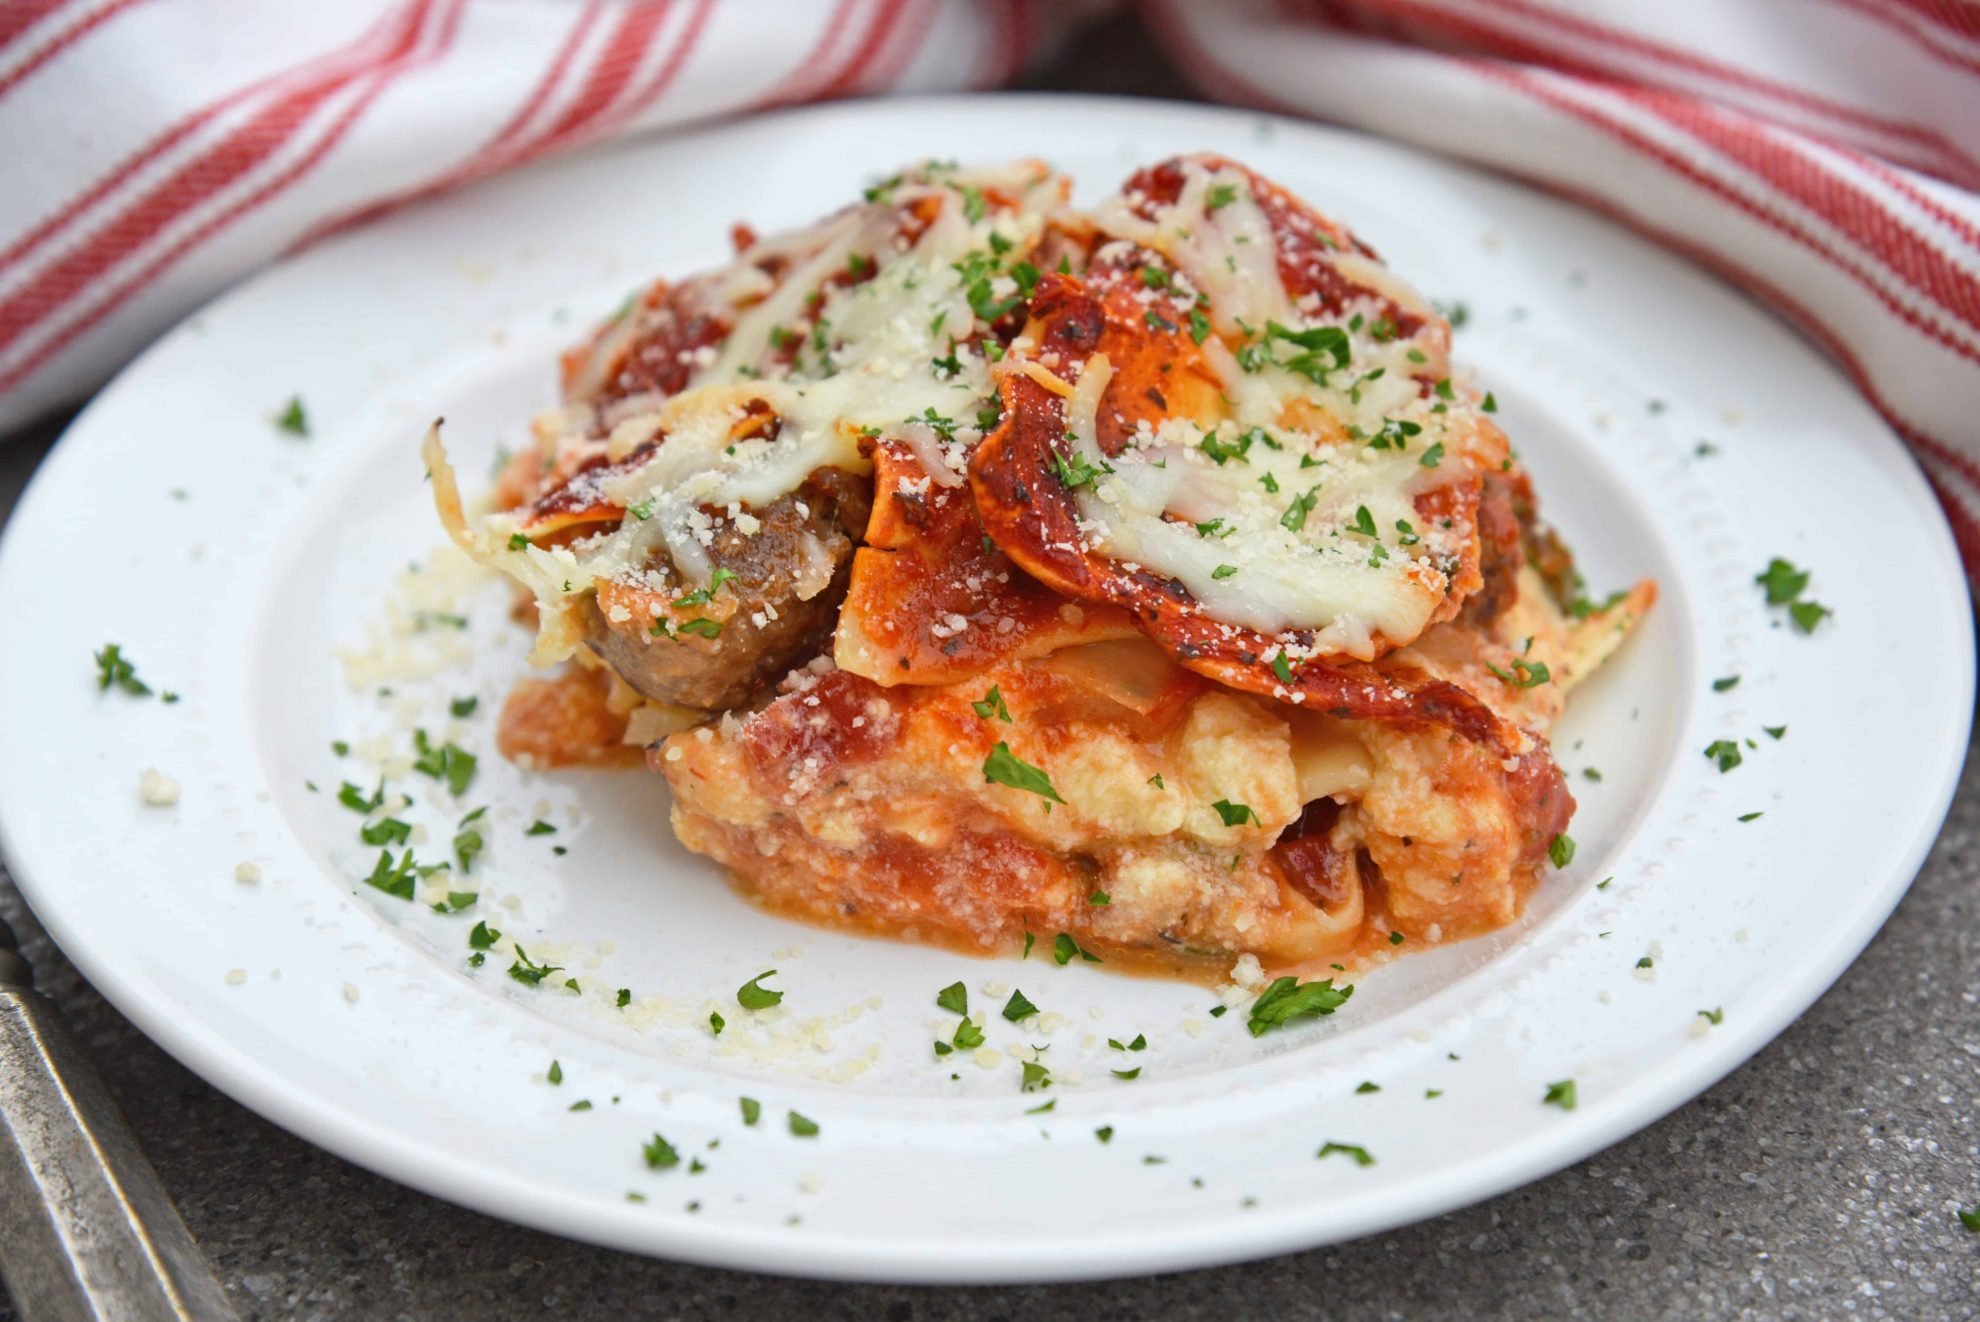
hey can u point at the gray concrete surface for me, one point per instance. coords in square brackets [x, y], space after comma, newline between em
[1815, 1182]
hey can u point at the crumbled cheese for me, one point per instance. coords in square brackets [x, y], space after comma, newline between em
[157, 789]
[235, 977]
[248, 872]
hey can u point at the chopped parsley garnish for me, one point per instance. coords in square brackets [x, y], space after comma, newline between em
[803, 1126]
[1560, 1094]
[624, 998]
[1354, 1150]
[540, 827]
[386, 831]
[395, 879]
[1156, 781]
[1523, 675]
[1749, 816]
[1775, 731]
[1140, 1043]
[643, 510]
[1129, 1075]
[556, 1074]
[1784, 585]
[467, 841]
[1294, 518]
[1199, 326]
[528, 972]
[1219, 1011]
[1288, 998]
[1018, 1007]
[660, 1154]
[702, 596]
[1970, 1219]
[355, 800]
[716, 1023]
[1214, 528]
[1394, 434]
[1646, 963]
[753, 995]
[113, 668]
[1282, 667]
[456, 901]
[1064, 948]
[1036, 1077]
[1004, 767]
[449, 762]
[1561, 850]
[1432, 456]
[1396, 938]
[954, 998]
[1368, 1086]
[1364, 522]
[1076, 472]
[518, 542]
[1725, 752]
[1782, 581]
[1224, 451]
[1330, 341]
[1724, 685]
[703, 626]
[1491, 404]
[968, 1037]
[292, 419]
[752, 1110]
[1099, 898]
[1105, 1134]
[1220, 196]
[483, 937]
[1223, 571]
[1236, 814]
[463, 707]
[1713, 1017]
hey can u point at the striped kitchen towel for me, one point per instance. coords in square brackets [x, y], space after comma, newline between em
[156, 150]
[1822, 154]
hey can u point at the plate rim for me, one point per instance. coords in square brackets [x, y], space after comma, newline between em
[823, 1253]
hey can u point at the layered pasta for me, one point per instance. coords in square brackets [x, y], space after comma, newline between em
[975, 568]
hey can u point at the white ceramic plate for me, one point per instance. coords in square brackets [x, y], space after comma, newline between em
[353, 1018]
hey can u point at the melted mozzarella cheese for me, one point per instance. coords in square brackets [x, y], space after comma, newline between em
[888, 358]
[1225, 249]
[1286, 532]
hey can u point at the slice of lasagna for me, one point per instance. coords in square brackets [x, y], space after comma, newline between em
[974, 567]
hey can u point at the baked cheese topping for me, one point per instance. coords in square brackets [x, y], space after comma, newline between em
[890, 339]
[1298, 511]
